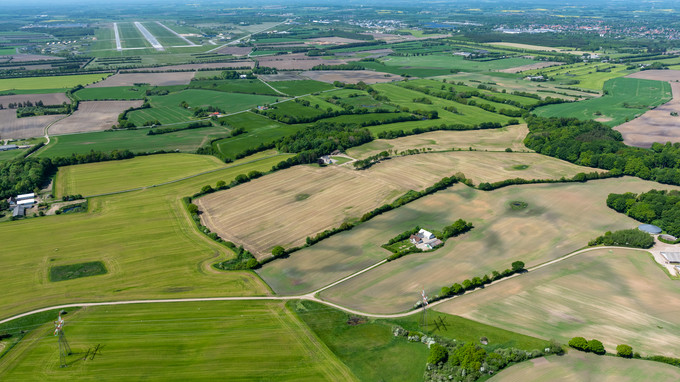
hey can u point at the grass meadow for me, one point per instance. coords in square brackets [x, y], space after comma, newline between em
[237, 341]
[145, 239]
[300, 87]
[52, 82]
[94, 178]
[133, 140]
[587, 75]
[448, 61]
[627, 98]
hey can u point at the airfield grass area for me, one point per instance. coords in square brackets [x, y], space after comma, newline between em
[146, 240]
[266, 212]
[627, 98]
[52, 82]
[559, 219]
[616, 296]
[133, 140]
[196, 341]
[493, 140]
[578, 366]
[94, 178]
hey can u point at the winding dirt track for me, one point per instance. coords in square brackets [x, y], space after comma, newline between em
[309, 296]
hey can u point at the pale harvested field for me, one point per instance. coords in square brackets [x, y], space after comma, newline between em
[298, 61]
[47, 99]
[538, 65]
[656, 125]
[392, 38]
[374, 53]
[264, 213]
[538, 48]
[23, 57]
[493, 139]
[559, 219]
[578, 367]
[92, 116]
[351, 76]
[616, 296]
[288, 75]
[211, 65]
[235, 50]
[658, 75]
[19, 128]
[155, 79]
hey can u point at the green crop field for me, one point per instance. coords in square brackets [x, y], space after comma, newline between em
[559, 219]
[166, 108]
[11, 154]
[93, 178]
[410, 71]
[259, 130]
[300, 87]
[247, 86]
[627, 98]
[369, 348]
[577, 366]
[574, 298]
[134, 140]
[448, 61]
[148, 243]
[55, 82]
[196, 341]
[582, 75]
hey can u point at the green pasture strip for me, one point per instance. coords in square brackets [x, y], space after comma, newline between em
[627, 98]
[300, 87]
[194, 341]
[11, 154]
[448, 61]
[586, 75]
[51, 82]
[92, 178]
[368, 348]
[408, 71]
[33, 91]
[259, 130]
[145, 238]
[134, 140]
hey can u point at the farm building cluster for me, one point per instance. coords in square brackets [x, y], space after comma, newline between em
[425, 240]
[20, 203]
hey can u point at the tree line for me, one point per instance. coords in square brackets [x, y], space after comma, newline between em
[661, 208]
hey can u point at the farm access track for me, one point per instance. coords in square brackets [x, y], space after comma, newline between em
[312, 296]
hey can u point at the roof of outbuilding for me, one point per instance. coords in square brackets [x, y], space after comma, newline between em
[649, 228]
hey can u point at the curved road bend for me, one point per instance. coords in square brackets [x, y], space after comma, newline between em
[309, 296]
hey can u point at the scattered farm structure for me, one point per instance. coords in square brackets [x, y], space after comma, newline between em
[425, 240]
[671, 257]
[8, 147]
[650, 228]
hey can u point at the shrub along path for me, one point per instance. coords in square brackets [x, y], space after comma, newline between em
[310, 296]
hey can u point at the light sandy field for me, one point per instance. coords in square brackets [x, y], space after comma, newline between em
[578, 367]
[210, 65]
[559, 219]
[617, 296]
[155, 79]
[656, 125]
[658, 75]
[538, 48]
[538, 65]
[92, 116]
[332, 40]
[286, 207]
[47, 99]
[392, 38]
[298, 61]
[19, 128]
[351, 76]
[235, 50]
[493, 140]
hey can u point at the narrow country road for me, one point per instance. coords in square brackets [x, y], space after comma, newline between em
[312, 296]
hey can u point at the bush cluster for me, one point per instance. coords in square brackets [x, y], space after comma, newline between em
[477, 282]
[625, 238]
[661, 208]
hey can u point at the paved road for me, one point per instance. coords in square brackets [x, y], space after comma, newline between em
[119, 47]
[312, 296]
[149, 37]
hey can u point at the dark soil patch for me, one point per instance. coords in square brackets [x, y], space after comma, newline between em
[518, 205]
[74, 271]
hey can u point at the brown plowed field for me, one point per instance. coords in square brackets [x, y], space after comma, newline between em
[155, 79]
[92, 116]
[350, 76]
[235, 50]
[656, 125]
[286, 207]
[19, 128]
[47, 99]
